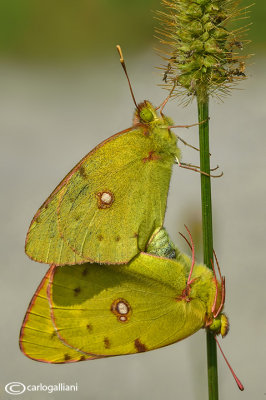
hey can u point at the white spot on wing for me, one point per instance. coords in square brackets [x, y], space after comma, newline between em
[106, 198]
[122, 308]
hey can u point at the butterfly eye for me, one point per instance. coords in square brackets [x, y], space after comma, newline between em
[215, 326]
[220, 325]
[146, 115]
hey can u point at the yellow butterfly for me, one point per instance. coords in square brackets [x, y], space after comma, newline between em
[90, 311]
[107, 207]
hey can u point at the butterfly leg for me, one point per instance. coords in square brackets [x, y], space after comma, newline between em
[183, 165]
[161, 106]
[189, 281]
[189, 145]
[186, 143]
[188, 126]
[184, 237]
[216, 289]
[196, 166]
[222, 285]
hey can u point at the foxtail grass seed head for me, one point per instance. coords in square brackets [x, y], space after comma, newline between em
[205, 57]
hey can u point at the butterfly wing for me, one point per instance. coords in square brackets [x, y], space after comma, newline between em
[38, 337]
[122, 179]
[114, 310]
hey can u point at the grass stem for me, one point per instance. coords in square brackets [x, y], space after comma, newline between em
[203, 115]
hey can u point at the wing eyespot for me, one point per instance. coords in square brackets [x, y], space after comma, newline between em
[105, 199]
[121, 309]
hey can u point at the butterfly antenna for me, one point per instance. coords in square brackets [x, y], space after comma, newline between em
[122, 61]
[239, 384]
[193, 256]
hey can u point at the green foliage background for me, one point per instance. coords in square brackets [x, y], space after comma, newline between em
[67, 29]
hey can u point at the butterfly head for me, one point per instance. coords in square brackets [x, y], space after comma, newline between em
[219, 325]
[145, 113]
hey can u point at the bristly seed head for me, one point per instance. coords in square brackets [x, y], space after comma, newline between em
[205, 57]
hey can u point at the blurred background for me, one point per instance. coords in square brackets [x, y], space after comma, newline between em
[62, 92]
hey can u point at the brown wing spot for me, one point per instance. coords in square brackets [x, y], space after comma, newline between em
[121, 309]
[105, 199]
[82, 172]
[151, 157]
[136, 235]
[76, 291]
[89, 327]
[66, 357]
[106, 342]
[117, 238]
[82, 358]
[140, 347]
[72, 197]
[100, 237]
[53, 335]
[77, 217]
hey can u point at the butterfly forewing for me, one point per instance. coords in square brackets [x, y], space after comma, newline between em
[107, 207]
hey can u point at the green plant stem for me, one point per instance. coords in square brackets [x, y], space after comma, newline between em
[203, 115]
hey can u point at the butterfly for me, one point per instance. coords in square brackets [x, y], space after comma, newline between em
[92, 311]
[107, 207]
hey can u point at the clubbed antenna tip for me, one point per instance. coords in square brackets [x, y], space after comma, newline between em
[122, 61]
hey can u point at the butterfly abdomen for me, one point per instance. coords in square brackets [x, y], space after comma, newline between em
[161, 245]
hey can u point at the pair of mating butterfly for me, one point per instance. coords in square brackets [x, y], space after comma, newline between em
[124, 287]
